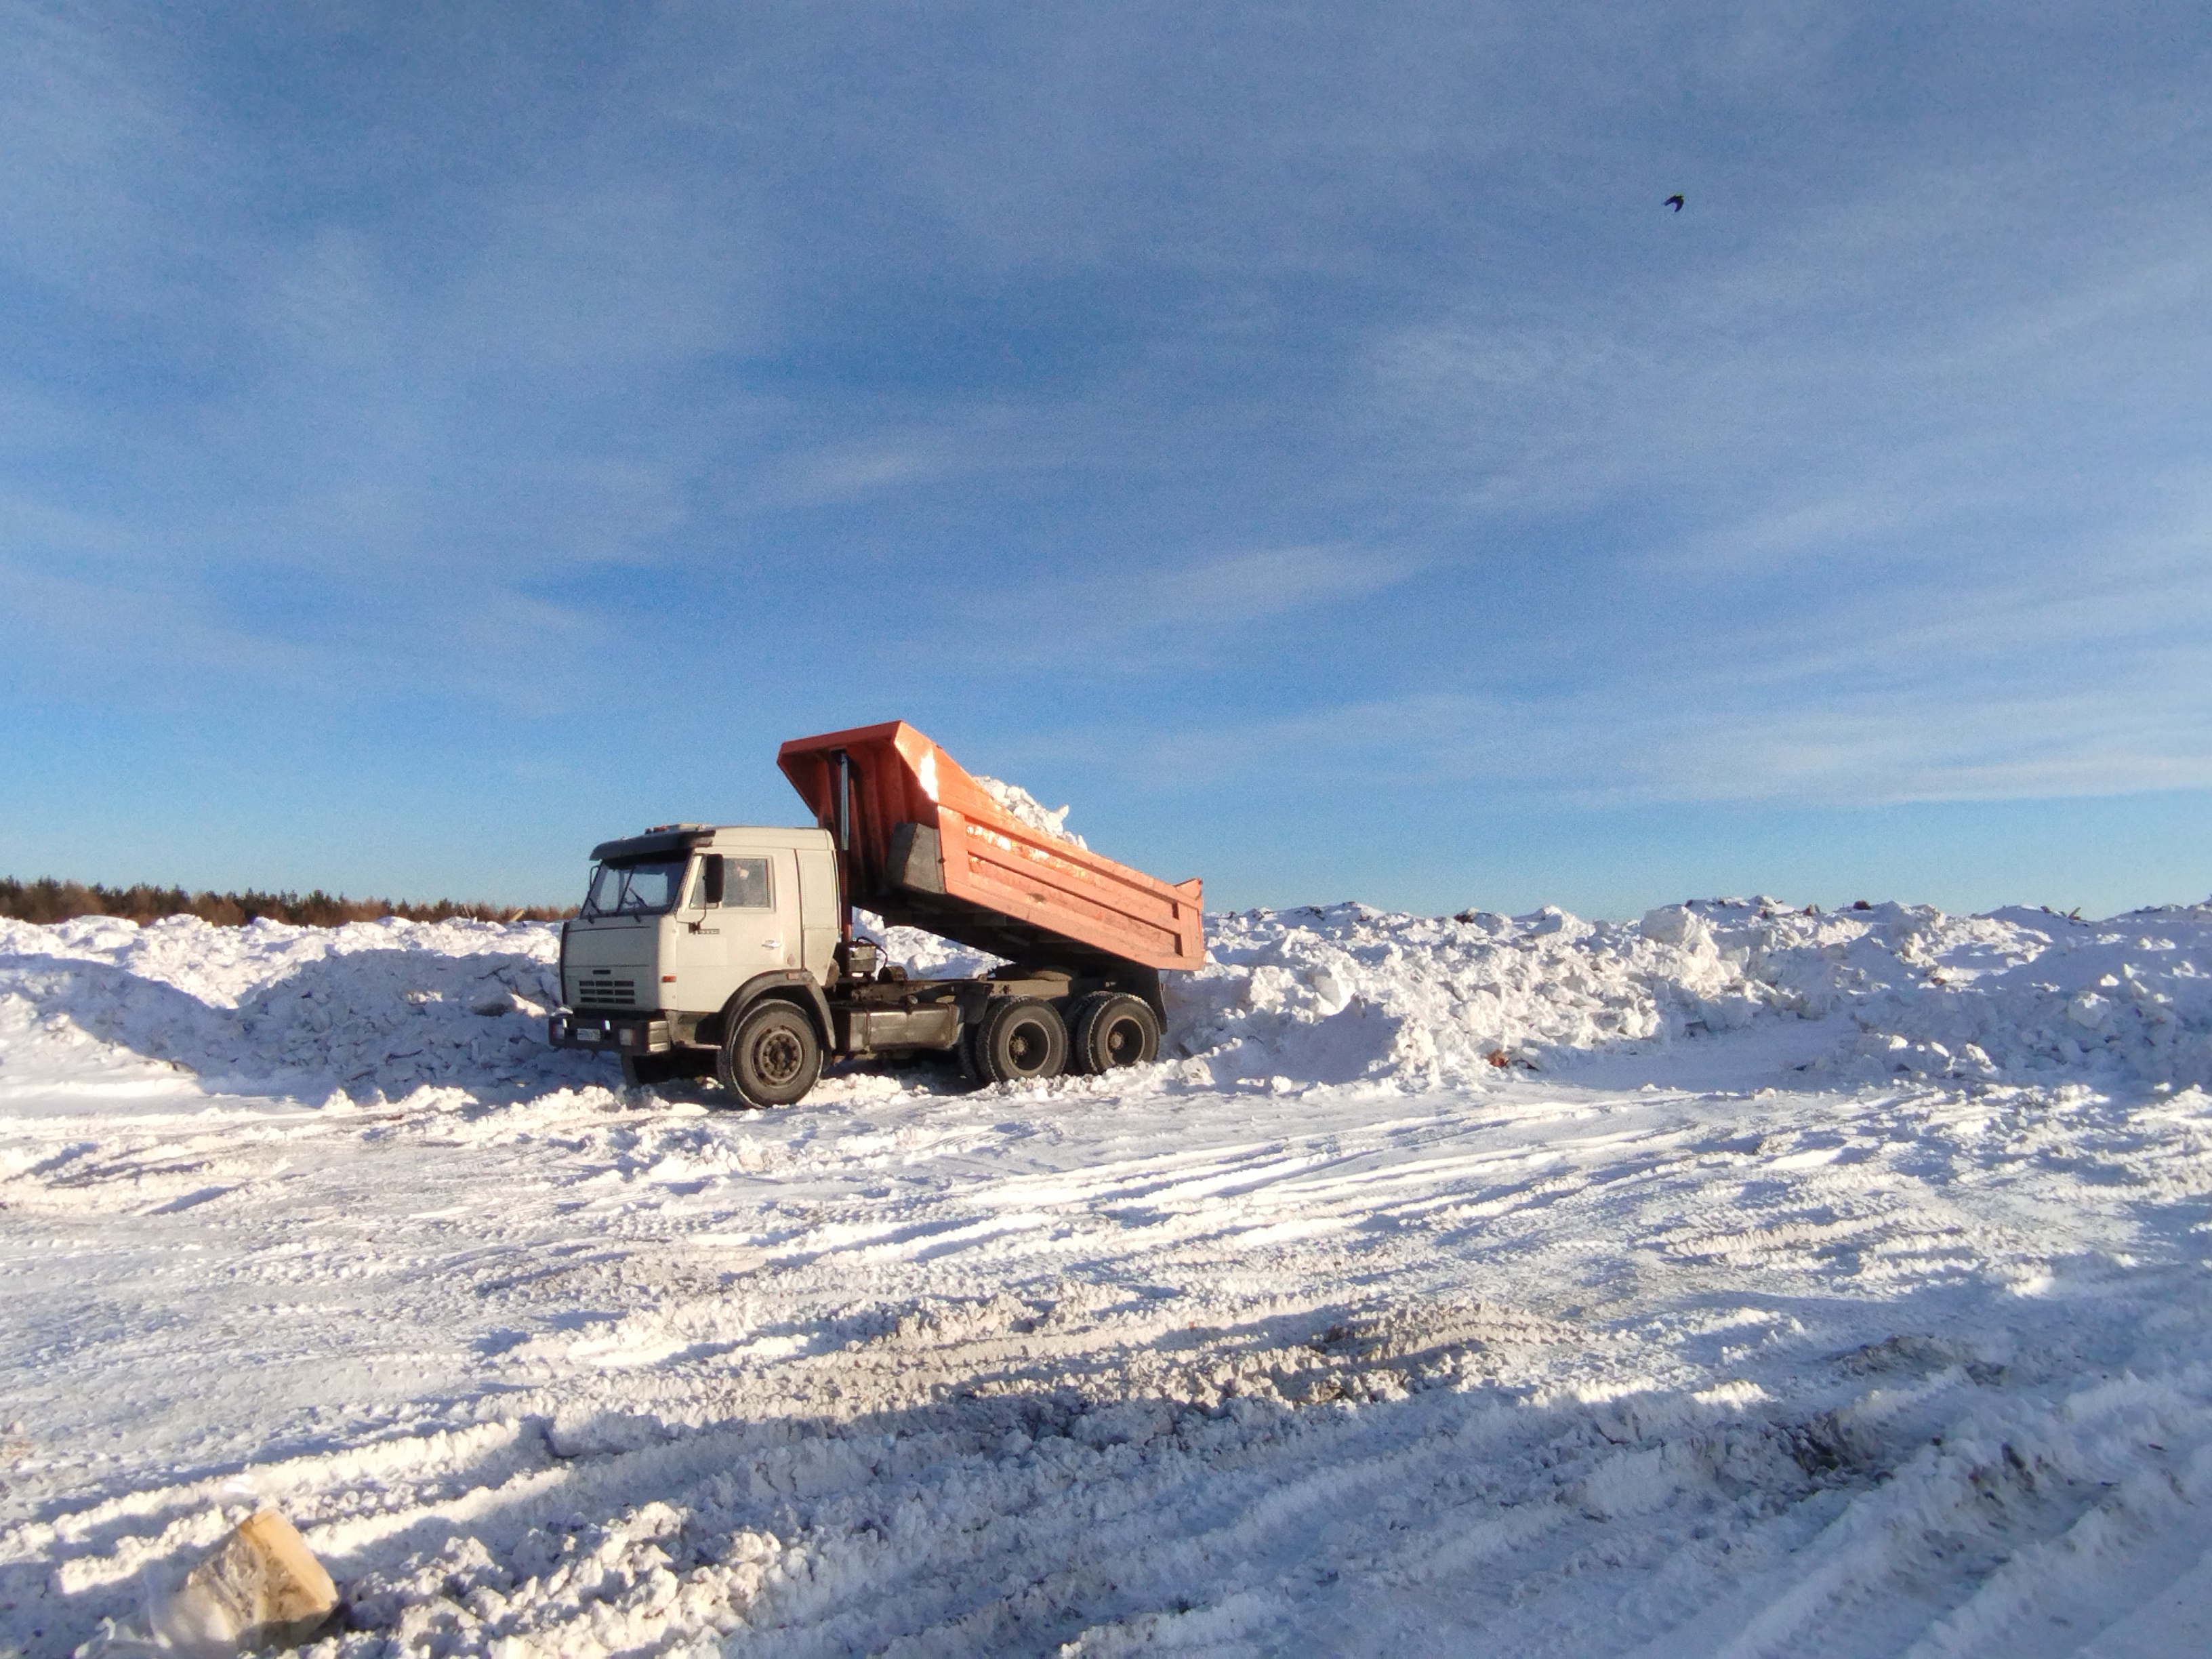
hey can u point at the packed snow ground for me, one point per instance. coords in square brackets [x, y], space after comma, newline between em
[1743, 1281]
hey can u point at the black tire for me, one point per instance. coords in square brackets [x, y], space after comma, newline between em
[643, 1071]
[676, 1065]
[1113, 1028]
[964, 1050]
[771, 1056]
[1018, 1040]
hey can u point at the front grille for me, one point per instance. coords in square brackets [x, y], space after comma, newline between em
[607, 994]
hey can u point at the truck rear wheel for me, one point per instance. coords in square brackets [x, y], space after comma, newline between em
[1111, 1029]
[771, 1056]
[1019, 1040]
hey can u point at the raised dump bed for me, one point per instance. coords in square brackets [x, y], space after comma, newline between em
[727, 950]
[924, 845]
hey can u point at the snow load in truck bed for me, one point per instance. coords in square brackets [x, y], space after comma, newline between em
[932, 847]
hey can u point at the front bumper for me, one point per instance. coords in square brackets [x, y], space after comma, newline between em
[615, 1034]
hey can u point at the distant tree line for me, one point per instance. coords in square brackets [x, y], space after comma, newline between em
[48, 899]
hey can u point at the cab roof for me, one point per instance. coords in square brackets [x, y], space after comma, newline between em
[670, 840]
[654, 843]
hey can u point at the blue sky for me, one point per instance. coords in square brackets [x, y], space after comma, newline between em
[433, 439]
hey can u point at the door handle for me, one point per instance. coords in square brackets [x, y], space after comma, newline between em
[771, 945]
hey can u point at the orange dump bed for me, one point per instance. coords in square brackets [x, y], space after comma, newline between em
[930, 849]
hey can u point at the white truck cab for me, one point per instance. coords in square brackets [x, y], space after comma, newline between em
[729, 952]
[687, 920]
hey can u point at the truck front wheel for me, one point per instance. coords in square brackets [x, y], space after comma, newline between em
[771, 1056]
[1111, 1029]
[643, 1071]
[1018, 1040]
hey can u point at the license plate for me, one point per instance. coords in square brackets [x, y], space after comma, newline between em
[585, 1034]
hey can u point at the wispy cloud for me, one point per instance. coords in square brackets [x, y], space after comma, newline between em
[1252, 587]
[1138, 615]
[1322, 395]
[1594, 752]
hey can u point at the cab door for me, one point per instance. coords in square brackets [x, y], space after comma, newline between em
[759, 912]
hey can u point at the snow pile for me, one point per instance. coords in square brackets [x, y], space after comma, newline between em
[1288, 1000]
[1021, 805]
[1541, 1361]
[372, 1010]
[1329, 995]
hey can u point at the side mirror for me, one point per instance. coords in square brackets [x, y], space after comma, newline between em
[713, 873]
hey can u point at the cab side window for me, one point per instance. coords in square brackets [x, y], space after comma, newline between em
[745, 884]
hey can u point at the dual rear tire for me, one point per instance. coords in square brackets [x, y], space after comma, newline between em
[1025, 1040]
[1018, 1040]
[1112, 1029]
[772, 1055]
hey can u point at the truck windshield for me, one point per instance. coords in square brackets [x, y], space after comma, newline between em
[639, 887]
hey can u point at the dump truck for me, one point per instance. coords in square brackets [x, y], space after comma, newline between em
[729, 952]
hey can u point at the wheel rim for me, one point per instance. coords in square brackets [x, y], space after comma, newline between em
[779, 1056]
[1125, 1041]
[1027, 1047]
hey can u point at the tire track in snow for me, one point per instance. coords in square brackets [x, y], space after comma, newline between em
[1549, 1368]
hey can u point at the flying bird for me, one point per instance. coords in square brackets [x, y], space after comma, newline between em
[1675, 203]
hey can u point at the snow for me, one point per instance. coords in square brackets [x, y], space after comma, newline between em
[1028, 809]
[1737, 1280]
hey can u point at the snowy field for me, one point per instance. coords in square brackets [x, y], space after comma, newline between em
[1747, 1281]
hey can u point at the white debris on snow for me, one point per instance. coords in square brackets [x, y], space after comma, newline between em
[1737, 1280]
[1028, 809]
